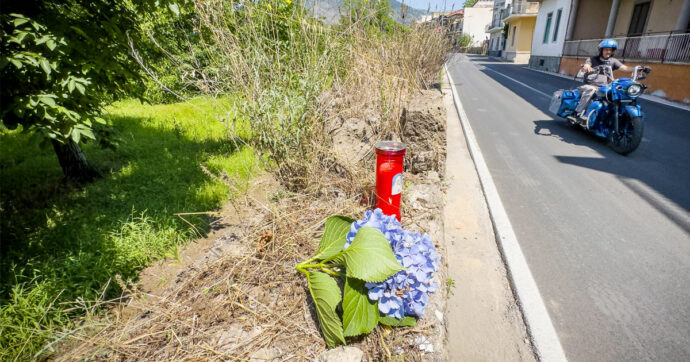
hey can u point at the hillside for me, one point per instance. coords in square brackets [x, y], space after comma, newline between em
[329, 10]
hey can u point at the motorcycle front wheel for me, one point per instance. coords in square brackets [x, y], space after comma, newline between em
[628, 137]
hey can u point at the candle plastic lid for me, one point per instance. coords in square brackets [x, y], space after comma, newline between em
[389, 147]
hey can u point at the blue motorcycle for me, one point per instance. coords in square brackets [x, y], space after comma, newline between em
[613, 113]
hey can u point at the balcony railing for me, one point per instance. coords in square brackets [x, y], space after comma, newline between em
[665, 48]
[521, 7]
[496, 23]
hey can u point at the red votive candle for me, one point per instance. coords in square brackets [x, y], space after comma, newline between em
[389, 183]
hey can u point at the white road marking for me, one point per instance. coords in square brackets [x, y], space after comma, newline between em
[546, 344]
[520, 83]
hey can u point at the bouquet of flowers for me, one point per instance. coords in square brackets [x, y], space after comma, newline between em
[387, 272]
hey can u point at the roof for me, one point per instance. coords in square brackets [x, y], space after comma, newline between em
[459, 12]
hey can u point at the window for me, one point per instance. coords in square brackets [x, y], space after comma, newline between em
[639, 19]
[512, 42]
[558, 23]
[548, 27]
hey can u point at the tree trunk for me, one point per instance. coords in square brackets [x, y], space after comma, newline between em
[73, 162]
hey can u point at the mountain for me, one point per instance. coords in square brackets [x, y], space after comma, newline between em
[329, 10]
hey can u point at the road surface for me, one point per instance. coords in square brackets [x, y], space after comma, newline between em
[606, 237]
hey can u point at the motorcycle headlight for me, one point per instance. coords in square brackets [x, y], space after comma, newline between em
[634, 90]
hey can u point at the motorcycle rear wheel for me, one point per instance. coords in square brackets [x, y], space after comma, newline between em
[629, 136]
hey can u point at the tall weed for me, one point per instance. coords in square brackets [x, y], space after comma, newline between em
[280, 61]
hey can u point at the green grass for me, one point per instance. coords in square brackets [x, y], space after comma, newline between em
[61, 245]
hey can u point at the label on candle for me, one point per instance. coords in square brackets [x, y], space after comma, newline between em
[396, 187]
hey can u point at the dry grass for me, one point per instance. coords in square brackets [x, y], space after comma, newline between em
[253, 301]
[246, 304]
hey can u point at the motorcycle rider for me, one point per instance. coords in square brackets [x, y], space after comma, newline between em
[607, 48]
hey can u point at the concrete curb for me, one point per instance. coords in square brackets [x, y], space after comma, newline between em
[547, 346]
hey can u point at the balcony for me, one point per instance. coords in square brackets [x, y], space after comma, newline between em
[521, 9]
[496, 25]
[663, 47]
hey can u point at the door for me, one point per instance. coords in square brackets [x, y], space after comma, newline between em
[638, 23]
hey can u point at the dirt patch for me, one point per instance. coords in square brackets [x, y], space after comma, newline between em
[423, 128]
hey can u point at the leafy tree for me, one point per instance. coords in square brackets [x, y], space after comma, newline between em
[61, 63]
[470, 3]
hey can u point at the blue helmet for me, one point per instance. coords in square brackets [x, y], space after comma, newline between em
[608, 43]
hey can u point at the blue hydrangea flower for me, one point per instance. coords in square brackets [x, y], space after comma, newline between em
[405, 293]
[388, 225]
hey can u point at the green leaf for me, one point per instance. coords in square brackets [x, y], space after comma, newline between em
[326, 295]
[394, 322]
[76, 135]
[88, 134]
[16, 63]
[70, 85]
[80, 87]
[45, 64]
[51, 44]
[360, 315]
[47, 100]
[19, 21]
[334, 236]
[79, 31]
[369, 257]
[42, 40]
[174, 8]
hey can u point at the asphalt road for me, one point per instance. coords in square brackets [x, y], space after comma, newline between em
[606, 237]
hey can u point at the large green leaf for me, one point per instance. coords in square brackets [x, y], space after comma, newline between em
[326, 295]
[360, 315]
[394, 322]
[369, 257]
[334, 236]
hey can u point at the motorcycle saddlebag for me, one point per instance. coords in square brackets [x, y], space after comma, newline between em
[563, 102]
[556, 102]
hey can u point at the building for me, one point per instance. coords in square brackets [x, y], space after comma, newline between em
[549, 34]
[649, 32]
[520, 18]
[455, 22]
[475, 21]
[496, 37]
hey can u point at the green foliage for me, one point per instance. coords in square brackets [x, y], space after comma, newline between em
[470, 3]
[326, 295]
[64, 245]
[369, 258]
[62, 62]
[450, 285]
[360, 315]
[403, 322]
[464, 41]
[39, 92]
[334, 238]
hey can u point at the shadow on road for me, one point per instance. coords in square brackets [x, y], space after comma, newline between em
[662, 162]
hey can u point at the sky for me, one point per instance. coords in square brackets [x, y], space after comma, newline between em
[423, 4]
